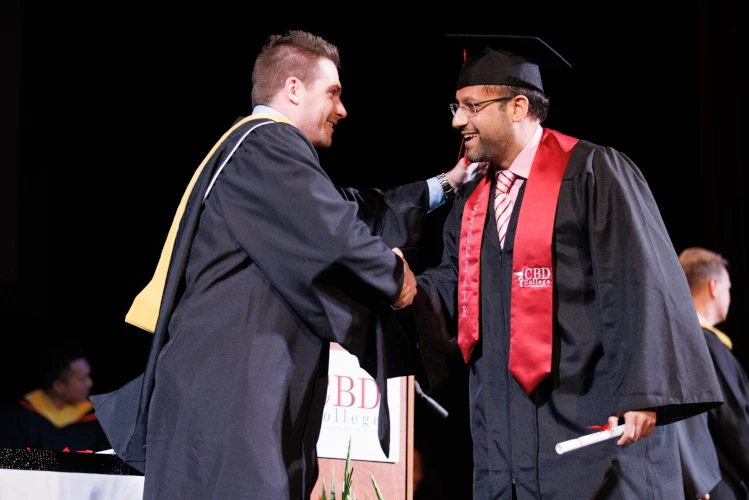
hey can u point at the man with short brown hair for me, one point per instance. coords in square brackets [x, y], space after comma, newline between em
[268, 263]
[728, 424]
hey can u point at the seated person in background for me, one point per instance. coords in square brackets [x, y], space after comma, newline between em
[57, 416]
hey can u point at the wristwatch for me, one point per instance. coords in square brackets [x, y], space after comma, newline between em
[447, 189]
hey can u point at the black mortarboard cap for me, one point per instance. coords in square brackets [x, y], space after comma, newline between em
[506, 60]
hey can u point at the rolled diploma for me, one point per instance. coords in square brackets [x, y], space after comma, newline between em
[589, 439]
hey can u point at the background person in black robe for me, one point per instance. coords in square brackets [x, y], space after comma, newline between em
[699, 461]
[626, 342]
[57, 416]
[271, 262]
[728, 424]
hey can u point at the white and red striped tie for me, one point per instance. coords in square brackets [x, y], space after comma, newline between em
[503, 203]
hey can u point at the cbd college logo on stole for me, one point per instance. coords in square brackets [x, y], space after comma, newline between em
[534, 277]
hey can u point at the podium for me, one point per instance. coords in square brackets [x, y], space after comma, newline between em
[394, 479]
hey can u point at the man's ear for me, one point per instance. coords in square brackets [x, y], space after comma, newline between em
[58, 386]
[712, 287]
[293, 87]
[520, 106]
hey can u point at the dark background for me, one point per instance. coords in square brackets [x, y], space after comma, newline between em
[106, 113]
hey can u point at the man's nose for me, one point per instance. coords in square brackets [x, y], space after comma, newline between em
[341, 110]
[459, 119]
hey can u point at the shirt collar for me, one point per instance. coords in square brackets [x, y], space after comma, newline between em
[262, 108]
[521, 166]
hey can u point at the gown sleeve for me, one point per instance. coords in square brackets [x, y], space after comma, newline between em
[398, 215]
[649, 329]
[434, 308]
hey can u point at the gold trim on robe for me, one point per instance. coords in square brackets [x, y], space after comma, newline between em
[722, 336]
[60, 417]
[144, 311]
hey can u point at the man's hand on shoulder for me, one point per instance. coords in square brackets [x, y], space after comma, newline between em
[464, 171]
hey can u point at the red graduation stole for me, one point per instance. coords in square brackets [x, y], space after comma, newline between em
[531, 295]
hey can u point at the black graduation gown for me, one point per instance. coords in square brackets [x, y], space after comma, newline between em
[729, 423]
[272, 268]
[23, 427]
[699, 462]
[625, 338]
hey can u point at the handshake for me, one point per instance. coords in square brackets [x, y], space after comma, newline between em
[408, 292]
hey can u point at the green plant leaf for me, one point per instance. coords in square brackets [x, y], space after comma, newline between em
[347, 474]
[348, 480]
[377, 488]
[332, 484]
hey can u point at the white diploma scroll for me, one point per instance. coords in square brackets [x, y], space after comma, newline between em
[596, 437]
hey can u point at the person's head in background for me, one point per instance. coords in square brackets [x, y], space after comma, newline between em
[709, 282]
[297, 75]
[65, 376]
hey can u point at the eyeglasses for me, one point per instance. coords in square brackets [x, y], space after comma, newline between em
[472, 108]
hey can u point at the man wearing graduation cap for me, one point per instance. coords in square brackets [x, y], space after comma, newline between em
[566, 296]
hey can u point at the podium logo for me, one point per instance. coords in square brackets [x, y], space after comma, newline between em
[534, 277]
[360, 392]
[354, 401]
